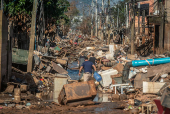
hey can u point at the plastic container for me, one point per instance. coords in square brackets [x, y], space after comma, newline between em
[97, 76]
[57, 48]
[147, 62]
[107, 80]
[17, 95]
[132, 74]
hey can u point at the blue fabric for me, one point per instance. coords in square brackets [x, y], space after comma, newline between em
[74, 74]
[87, 65]
[81, 60]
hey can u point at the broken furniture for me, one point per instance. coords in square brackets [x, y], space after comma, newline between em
[138, 81]
[119, 85]
[106, 76]
[152, 87]
[59, 81]
[161, 109]
[148, 106]
[145, 48]
[59, 69]
[134, 111]
[165, 99]
[77, 92]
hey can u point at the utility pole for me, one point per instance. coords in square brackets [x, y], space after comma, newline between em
[161, 34]
[92, 19]
[138, 17]
[108, 24]
[117, 16]
[143, 22]
[133, 29]
[127, 16]
[102, 37]
[83, 11]
[32, 37]
[96, 21]
[143, 26]
[1, 4]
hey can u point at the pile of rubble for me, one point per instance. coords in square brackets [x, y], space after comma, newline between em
[139, 81]
[142, 82]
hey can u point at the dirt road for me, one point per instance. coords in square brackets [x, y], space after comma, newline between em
[101, 108]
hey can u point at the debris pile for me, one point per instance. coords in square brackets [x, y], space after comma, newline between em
[141, 82]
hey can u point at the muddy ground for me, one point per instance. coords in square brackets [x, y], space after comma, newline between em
[98, 108]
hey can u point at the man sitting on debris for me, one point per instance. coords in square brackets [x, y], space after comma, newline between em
[87, 65]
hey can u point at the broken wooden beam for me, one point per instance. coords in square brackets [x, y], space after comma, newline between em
[58, 68]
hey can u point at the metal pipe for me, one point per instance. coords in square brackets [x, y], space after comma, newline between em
[127, 16]
[147, 62]
[96, 20]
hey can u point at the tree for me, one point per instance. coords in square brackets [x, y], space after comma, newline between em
[73, 11]
[19, 11]
[114, 12]
[53, 8]
[85, 26]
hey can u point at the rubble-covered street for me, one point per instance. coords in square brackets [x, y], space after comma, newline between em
[129, 82]
[84, 56]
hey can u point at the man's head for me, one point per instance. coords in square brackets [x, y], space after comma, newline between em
[92, 54]
[86, 58]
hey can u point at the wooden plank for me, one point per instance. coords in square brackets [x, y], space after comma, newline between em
[159, 69]
[48, 69]
[155, 78]
[161, 30]
[59, 69]
[138, 81]
[155, 19]
[154, 40]
[152, 87]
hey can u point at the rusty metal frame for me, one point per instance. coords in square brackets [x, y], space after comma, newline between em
[77, 92]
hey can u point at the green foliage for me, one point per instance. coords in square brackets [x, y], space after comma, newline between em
[76, 12]
[15, 7]
[76, 21]
[53, 9]
[114, 12]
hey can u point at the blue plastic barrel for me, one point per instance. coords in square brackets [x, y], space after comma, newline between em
[97, 76]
